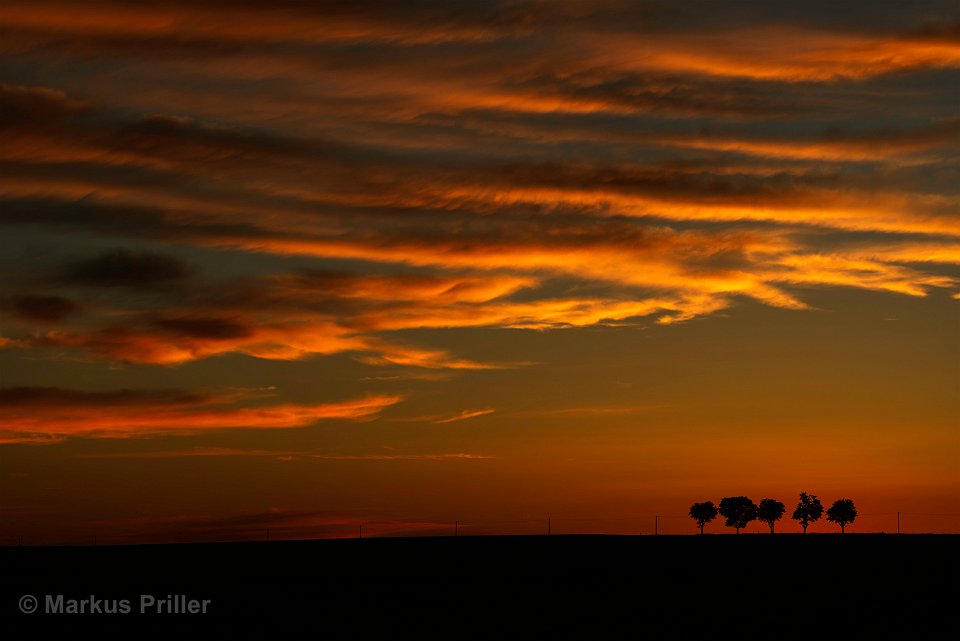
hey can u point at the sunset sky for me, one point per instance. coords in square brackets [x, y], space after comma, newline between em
[307, 265]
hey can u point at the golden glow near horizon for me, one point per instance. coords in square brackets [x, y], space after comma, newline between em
[298, 266]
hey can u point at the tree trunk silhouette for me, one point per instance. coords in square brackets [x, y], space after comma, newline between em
[771, 528]
[842, 528]
[738, 530]
[701, 528]
[804, 528]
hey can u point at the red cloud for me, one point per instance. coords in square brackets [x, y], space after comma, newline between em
[51, 414]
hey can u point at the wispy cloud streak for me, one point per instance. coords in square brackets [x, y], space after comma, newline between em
[42, 415]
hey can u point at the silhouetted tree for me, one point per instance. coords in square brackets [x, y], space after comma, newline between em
[738, 511]
[808, 510]
[842, 512]
[770, 511]
[703, 513]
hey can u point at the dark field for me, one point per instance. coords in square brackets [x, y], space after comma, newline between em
[747, 586]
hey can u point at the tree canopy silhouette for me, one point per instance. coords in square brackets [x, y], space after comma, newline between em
[738, 511]
[770, 511]
[842, 512]
[808, 510]
[703, 513]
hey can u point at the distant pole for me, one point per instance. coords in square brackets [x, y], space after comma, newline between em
[656, 525]
[549, 526]
[456, 528]
[898, 523]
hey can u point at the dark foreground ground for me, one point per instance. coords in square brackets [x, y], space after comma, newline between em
[751, 586]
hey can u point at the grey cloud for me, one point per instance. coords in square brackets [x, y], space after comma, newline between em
[43, 308]
[124, 268]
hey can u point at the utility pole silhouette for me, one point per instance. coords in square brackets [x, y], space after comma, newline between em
[456, 528]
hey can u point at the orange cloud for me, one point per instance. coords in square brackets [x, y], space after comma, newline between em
[31, 414]
[464, 415]
[785, 53]
[680, 275]
[818, 269]
[172, 347]
[394, 354]
[403, 287]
